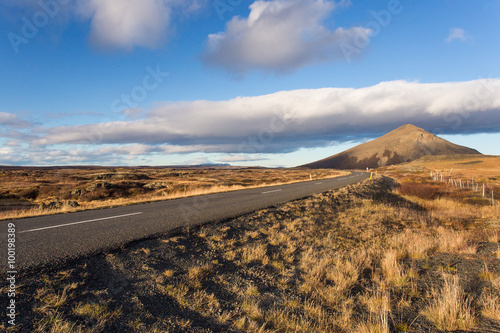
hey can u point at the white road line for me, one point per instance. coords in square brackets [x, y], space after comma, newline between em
[80, 222]
[319, 183]
[271, 191]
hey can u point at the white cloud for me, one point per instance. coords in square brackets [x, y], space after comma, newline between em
[279, 36]
[287, 120]
[456, 34]
[130, 23]
[13, 120]
[241, 158]
[245, 128]
[113, 23]
[198, 161]
[127, 23]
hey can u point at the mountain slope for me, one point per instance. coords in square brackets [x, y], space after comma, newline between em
[404, 144]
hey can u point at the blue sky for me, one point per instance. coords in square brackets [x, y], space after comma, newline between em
[273, 83]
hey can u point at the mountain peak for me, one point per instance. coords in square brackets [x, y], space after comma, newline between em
[404, 144]
[409, 127]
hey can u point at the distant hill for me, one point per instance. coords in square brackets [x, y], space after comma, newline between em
[98, 167]
[405, 144]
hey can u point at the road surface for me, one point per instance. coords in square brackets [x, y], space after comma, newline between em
[48, 239]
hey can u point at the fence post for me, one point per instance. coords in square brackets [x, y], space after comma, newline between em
[484, 189]
[492, 198]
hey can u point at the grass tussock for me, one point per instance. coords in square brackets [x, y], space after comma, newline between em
[451, 308]
[490, 306]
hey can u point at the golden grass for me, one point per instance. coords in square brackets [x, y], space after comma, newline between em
[57, 324]
[168, 273]
[490, 306]
[489, 166]
[371, 327]
[199, 272]
[415, 244]
[448, 209]
[287, 320]
[492, 277]
[93, 311]
[189, 190]
[392, 270]
[51, 300]
[451, 308]
[255, 253]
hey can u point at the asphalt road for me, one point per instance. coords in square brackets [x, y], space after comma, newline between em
[48, 239]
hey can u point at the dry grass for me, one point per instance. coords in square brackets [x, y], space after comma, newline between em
[450, 308]
[490, 306]
[57, 324]
[169, 273]
[490, 276]
[95, 312]
[254, 253]
[415, 244]
[50, 300]
[23, 191]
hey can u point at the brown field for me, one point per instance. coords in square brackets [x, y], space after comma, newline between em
[418, 256]
[460, 169]
[484, 169]
[42, 191]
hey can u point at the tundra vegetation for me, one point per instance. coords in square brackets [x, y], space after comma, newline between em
[411, 255]
[42, 191]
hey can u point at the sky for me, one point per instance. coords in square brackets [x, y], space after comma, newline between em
[275, 83]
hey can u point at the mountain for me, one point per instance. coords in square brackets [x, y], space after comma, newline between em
[404, 144]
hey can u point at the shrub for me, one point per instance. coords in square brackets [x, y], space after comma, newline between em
[423, 191]
[29, 194]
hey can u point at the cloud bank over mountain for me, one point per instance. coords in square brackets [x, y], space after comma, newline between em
[281, 122]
